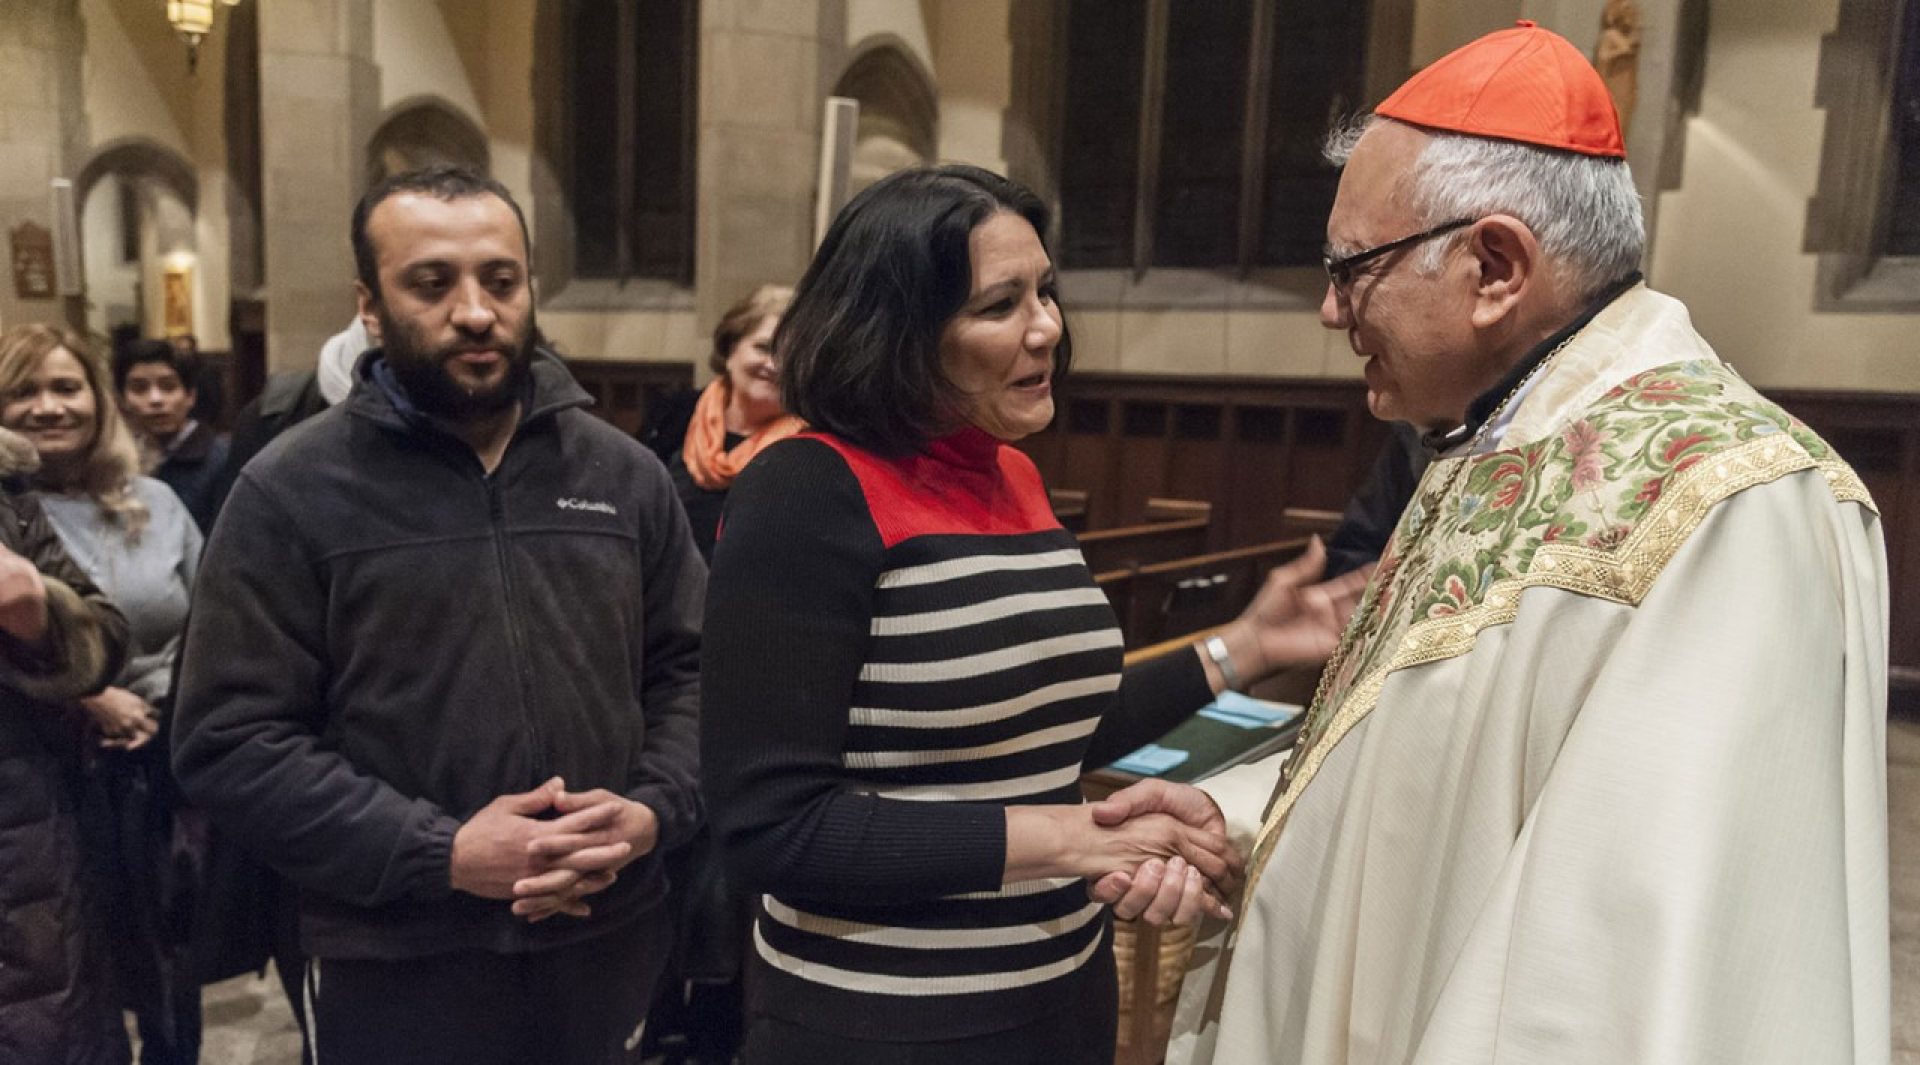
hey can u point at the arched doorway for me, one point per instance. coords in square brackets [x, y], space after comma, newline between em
[421, 132]
[137, 200]
[899, 111]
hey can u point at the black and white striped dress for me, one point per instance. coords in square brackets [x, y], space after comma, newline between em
[896, 650]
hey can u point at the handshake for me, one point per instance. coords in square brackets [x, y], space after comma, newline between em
[1155, 851]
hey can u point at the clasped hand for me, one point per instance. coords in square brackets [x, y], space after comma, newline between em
[506, 851]
[1192, 881]
[124, 720]
[1295, 619]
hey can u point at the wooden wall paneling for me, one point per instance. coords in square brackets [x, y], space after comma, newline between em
[624, 390]
[1044, 449]
[1257, 482]
[1087, 457]
[1317, 457]
[1366, 435]
[1196, 462]
[1879, 438]
[1142, 455]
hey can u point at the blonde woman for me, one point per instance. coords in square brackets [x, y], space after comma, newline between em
[134, 538]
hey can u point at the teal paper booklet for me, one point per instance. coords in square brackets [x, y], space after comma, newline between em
[1234, 728]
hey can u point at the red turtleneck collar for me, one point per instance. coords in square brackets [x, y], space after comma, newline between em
[965, 482]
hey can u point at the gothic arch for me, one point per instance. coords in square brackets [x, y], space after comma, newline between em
[899, 107]
[143, 158]
[422, 130]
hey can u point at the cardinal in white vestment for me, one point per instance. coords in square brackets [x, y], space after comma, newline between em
[1597, 774]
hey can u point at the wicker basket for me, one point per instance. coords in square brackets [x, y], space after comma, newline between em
[1144, 1040]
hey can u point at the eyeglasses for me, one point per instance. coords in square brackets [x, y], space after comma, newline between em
[1340, 271]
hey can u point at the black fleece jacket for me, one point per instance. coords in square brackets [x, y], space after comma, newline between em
[385, 638]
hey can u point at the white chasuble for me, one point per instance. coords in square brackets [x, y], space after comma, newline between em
[1601, 777]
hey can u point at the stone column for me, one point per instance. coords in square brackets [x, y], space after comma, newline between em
[1655, 133]
[760, 99]
[973, 53]
[40, 131]
[319, 102]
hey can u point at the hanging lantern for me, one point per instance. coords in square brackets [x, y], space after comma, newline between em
[191, 19]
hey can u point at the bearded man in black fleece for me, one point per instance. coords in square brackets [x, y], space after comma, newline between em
[443, 668]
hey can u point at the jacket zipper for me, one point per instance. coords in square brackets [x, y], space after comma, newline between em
[516, 640]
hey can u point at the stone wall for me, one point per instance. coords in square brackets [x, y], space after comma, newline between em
[319, 101]
[39, 128]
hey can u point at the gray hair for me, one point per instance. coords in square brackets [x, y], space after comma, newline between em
[1583, 209]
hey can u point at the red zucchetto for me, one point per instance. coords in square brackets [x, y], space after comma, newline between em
[1525, 84]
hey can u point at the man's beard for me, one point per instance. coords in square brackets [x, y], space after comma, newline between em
[426, 373]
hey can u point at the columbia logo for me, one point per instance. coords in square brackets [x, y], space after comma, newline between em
[594, 505]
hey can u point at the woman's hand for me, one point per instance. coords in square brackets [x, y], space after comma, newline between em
[1176, 863]
[1166, 887]
[1291, 621]
[124, 720]
[1150, 893]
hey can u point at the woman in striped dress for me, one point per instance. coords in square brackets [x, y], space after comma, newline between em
[907, 666]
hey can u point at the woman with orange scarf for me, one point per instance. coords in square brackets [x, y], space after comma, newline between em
[739, 413]
[697, 1014]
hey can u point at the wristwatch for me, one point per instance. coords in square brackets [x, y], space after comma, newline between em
[1217, 650]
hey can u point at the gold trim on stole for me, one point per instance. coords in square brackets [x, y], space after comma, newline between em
[1622, 575]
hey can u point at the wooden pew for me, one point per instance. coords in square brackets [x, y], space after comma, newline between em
[1189, 594]
[1303, 521]
[1157, 601]
[1162, 509]
[1133, 546]
[1070, 508]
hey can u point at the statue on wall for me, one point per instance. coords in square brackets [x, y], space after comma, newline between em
[1617, 57]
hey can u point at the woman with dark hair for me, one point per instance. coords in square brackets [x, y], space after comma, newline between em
[907, 666]
[738, 413]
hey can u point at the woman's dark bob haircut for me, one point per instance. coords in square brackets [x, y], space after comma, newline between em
[860, 347]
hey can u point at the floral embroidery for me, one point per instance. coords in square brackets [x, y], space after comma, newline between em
[1684, 450]
[1609, 538]
[1657, 387]
[1455, 585]
[1662, 391]
[1586, 448]
[1563, 530]
[1591, 484]
[1506, 483]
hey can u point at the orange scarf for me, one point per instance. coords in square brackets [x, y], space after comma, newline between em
[712, 466]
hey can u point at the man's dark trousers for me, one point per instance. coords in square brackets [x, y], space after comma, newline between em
[582, 1004]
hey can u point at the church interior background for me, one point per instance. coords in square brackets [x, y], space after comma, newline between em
[189, 166]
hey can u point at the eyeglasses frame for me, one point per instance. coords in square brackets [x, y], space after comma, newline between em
[1340, 271]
